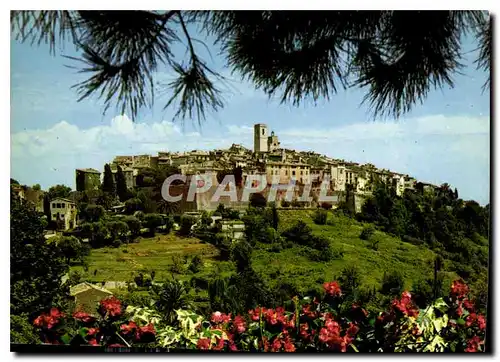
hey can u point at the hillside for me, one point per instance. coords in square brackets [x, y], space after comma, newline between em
[414, 262]
[286, 267]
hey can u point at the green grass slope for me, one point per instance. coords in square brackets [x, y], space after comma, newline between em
[290, 267]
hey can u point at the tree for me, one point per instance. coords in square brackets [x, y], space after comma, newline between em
[117, 229]
[36, 267]
[108, 182]
[121, 185]
[71, 248]
[36, 187]
[399, 56]
[133, 205]
[59, 191]
[93, 213]
[134, 225]
[152, 221]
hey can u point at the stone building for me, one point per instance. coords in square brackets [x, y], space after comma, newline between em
[285, 171]
[260, 138]
[87, 179]
[128, 173]
[87, 297]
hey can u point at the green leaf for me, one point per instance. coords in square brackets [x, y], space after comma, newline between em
[66, 338]
[83, 332]
[372, 321]
[354, 348]
[460, 321]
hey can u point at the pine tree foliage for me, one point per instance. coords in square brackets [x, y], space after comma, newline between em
[397, 56]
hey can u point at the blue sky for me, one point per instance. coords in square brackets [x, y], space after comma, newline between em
[446, 139]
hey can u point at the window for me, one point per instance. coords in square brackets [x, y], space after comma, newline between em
[341, 171]
[263, 131]
[58, 206]
[63, 205]
[53, 205]
[293, 173]
[301, 173]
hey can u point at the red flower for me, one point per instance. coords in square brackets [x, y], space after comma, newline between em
[232, 347]
[288, 345]
[203, 343]
[116, 345]
[352, 330]
[332, 289]
[127, 328]
[255, 313]
[460, 310]
[218, 317]
[149, 329]
[469, 305]
[276, 345]
[92, 331]
[48, 320]
[39, 321]
[239, 324]
[473, 344]
[405, 305]
[112, 306]
[219, 344]
[93, 342]
[84, 317]
[471, 318]
[481, 322]
[459, 289]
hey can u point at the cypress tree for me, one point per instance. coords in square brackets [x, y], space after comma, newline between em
[108, 182]
[121, 185]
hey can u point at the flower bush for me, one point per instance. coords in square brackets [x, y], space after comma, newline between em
[449, 324]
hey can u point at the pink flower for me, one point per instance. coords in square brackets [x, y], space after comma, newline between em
[128, 328]
[239, 324]
[112, 306]
[481, 322]
[459, 289]
[203, 343]
[92, 331]
[332, 289]
[84, 317]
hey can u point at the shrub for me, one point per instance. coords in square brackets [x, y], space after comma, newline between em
[392, 283]
[300, 233]
[367, 232]
[152, 221]
[320, 243]
[134, 225]
[320, 217]
[167, 224]
[187, 222]
[272, 236]
[196, 264]
[117, 229]
[133, 205]
[178, 264]
[350, 279]
[140, 215]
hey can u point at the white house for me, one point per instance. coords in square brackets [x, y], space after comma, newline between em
[64, 210]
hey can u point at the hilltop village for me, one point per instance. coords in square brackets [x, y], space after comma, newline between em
[267, 159]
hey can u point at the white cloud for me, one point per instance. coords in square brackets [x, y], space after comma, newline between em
[435, 148]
